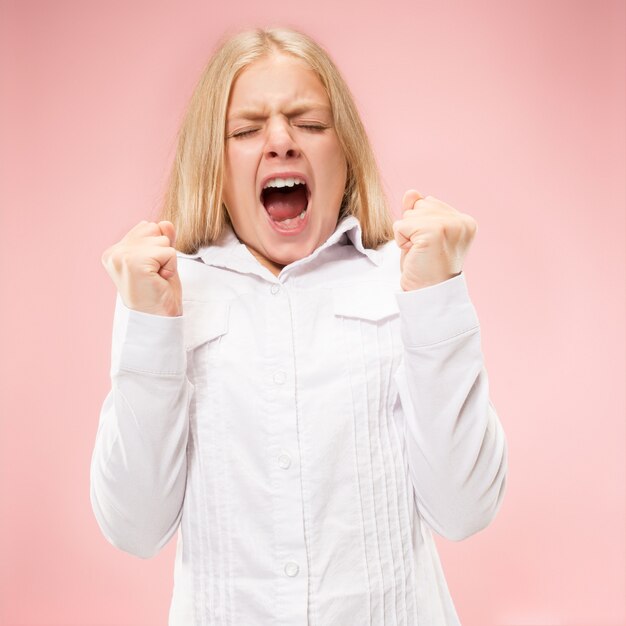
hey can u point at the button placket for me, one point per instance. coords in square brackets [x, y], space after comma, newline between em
[284, 459]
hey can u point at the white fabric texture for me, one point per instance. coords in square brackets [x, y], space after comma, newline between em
[302, 434]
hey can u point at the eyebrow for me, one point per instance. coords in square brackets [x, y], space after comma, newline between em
[255, 114]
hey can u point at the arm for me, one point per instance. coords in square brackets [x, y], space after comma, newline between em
[455, 444]
[139, 462]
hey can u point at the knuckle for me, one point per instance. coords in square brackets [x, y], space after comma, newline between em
[153, 229]
[440, 229]
[139, 227]
[469, 225]
[121, 260]
[111, 257]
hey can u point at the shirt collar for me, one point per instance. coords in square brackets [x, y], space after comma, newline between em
[229, 252]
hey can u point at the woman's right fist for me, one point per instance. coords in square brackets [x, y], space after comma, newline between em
[143, 267]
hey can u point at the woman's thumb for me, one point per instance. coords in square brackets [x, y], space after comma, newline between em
[167, 228]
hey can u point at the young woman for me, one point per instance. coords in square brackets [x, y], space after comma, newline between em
[298, 385]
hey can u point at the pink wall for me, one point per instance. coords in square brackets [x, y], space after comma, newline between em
[510, 111]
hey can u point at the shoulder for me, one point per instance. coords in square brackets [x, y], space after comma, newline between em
[369, 278]
[388, 262]
[389, 253]
[189, 268]
[200, 281]
[369, 292]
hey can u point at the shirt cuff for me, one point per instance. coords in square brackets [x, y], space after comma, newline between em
[147, 343]
[436, 313]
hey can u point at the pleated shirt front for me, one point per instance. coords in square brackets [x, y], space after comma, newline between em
[302, 434]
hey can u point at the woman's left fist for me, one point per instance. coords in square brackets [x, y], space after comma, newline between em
[434, 238]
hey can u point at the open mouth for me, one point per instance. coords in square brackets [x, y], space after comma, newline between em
[286, 205]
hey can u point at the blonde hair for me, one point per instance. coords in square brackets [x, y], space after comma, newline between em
[193, 196]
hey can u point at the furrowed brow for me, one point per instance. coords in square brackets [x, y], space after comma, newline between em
[255, 115]
[246, 114]
[307, 107]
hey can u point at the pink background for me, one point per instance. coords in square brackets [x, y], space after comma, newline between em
[512, 112]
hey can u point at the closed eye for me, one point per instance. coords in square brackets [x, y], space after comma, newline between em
[312, 126]
[244, 133]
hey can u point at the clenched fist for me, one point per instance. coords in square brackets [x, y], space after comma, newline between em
[434, 238]
[143, 267]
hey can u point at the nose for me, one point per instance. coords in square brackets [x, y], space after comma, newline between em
[280, 141]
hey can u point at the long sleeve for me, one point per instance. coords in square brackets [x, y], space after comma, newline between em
[139, 464]
[455, 444]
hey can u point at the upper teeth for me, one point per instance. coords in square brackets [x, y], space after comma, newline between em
[284, 182]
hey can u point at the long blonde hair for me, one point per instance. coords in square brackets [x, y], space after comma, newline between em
[193, 196]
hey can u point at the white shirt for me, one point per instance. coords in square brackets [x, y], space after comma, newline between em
[303, 433]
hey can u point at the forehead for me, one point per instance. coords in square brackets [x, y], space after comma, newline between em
[275, 82]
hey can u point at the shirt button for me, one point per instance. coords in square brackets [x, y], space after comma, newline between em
[279, 377]
[275, 289]
[292, 569]
[284, 461]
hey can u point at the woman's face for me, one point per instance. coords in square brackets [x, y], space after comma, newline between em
[279, 126]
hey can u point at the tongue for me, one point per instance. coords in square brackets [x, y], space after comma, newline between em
[284, 205]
